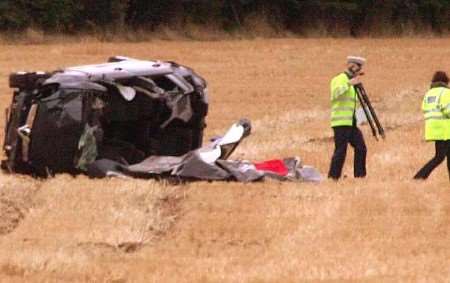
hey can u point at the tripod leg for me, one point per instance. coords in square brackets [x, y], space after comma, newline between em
[365, 97]
[366, 111]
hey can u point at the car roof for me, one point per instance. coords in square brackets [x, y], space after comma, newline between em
[120, 70]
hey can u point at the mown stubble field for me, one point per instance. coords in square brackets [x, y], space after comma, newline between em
[385, 228]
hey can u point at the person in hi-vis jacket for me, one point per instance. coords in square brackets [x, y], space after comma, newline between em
[436, 110]
[343, 119]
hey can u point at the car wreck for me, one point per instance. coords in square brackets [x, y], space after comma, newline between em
[126, 117]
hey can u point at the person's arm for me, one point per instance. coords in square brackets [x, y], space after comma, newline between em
[445, 104]
[424, 104]
[340, 90]
[341, 85]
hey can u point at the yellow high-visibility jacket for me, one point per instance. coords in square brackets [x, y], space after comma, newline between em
[343, 101]
[436, 110]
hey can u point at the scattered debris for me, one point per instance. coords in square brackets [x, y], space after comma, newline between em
[211, 163]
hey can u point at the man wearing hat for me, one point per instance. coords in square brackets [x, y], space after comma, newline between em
[343, 119]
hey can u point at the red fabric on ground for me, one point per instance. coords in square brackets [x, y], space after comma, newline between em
[275, 166]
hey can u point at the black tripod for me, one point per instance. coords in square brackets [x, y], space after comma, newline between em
[375, 125]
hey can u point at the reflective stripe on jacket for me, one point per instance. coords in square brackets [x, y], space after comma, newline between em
[436, 110]
[343, 101]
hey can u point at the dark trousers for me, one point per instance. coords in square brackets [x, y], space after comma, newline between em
[442, 151]
[343, 136]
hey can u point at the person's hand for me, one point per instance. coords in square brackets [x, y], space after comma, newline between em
[355, 81]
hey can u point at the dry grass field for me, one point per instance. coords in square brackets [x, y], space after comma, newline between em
[386, 228]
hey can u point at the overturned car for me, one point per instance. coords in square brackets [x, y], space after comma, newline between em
[126, 118]
[124, 110]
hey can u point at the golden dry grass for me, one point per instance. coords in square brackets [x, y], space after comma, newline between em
[383, 228]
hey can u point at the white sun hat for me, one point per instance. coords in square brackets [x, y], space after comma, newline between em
[356, 60]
